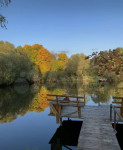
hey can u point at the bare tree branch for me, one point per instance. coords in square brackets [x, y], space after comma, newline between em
[3, 20]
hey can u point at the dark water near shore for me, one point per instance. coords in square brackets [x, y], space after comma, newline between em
[24, 120]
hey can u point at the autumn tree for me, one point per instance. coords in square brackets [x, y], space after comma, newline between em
[61, 62]
[44, 60]
[108, 63]
[32, 51]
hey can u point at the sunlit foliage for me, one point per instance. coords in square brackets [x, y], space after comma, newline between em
[33, 51]
[44, 60]
[108, 64]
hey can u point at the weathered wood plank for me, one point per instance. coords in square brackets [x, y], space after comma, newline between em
[69, 104]
[97, 132]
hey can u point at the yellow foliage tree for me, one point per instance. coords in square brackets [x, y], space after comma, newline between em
[40, 102]
[44, 60]
[32, 51]
[61, 62]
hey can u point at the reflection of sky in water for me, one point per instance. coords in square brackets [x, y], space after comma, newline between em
[34, 130]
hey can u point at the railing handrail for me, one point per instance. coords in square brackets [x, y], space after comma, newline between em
[116, 97]
[65, 96]
[117, 102]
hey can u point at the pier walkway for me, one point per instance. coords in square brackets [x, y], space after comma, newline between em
[97, 132]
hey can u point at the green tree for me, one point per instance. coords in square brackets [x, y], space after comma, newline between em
[72, 65]
[15, 64]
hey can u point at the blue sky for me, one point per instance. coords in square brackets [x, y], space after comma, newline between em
[76, 26]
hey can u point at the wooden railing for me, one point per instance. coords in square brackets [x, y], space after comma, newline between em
[59, 101]
[66, 98]
[116, 113]
[119, 98]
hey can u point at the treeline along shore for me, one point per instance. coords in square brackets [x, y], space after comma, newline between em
[34, 63]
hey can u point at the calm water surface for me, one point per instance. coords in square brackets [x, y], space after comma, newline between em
[24, 120]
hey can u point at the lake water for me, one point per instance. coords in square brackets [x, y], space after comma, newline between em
[24, 120]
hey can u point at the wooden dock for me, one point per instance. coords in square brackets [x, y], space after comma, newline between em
[64, 106]
[97, 132]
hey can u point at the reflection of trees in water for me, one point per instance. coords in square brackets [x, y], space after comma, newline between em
[101, 93]
[71, 88]
[40, 102]
[13, 104]
[118, 91]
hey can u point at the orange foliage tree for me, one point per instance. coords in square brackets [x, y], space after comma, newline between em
[32, 51]
[40, 102]
[44, 58]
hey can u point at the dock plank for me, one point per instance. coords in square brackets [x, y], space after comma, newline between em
[97, 132]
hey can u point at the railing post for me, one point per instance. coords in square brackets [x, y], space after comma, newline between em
[77, 101]
[114, 120]
[110, 112]
[84, 99]
[57, 99]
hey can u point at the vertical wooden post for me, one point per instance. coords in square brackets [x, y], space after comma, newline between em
[67, 98]
[79, 111]
[84, 99]
[77, 101]
[60, 121]
[57, 99]
[121, 109]
[110, 112]
[114, 120]
[57, 119]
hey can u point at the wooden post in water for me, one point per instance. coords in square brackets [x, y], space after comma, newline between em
[60, 121]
